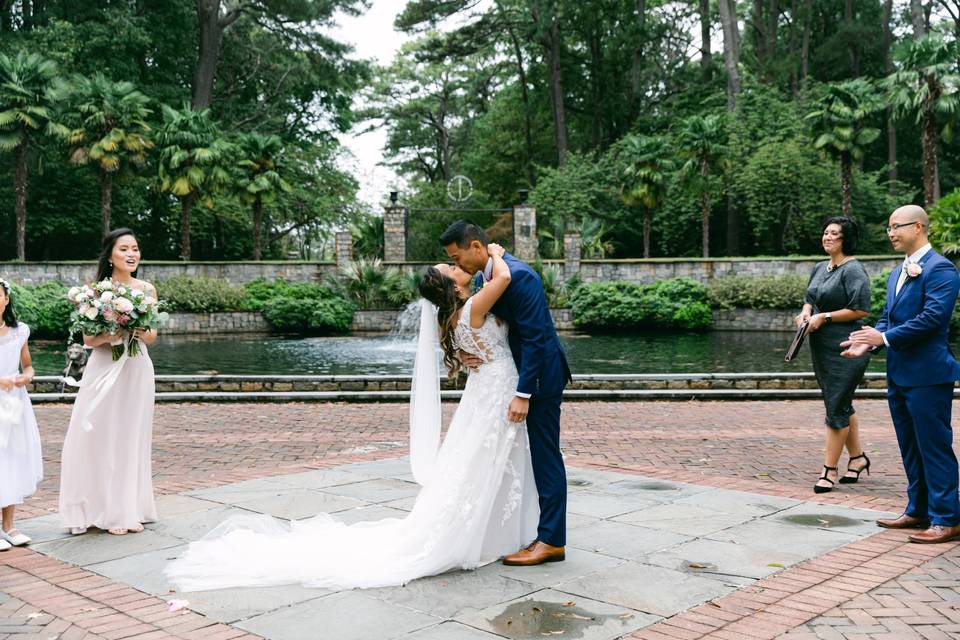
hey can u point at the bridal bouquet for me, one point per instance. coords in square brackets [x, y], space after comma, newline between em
[105, 307]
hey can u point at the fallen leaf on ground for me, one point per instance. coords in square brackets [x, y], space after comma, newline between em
[569, 603]
[177, 605]
[579, 617]
[696, 565]
[775, 564]
[538, 609]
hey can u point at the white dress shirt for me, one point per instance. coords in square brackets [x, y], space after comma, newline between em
[912, 258]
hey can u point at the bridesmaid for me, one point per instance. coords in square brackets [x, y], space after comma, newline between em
[105, 477]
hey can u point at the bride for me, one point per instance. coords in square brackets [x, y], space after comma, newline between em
[478, 500]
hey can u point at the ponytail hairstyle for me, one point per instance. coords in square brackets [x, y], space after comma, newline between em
[104, 268]
[440, 290]
[9, 315]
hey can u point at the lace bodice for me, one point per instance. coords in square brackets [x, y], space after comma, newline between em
[489, 341]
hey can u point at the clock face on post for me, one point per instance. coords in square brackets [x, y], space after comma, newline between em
[459, 189]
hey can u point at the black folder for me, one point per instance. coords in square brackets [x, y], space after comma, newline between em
[797, 341]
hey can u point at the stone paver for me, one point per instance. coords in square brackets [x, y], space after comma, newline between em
[770, 451]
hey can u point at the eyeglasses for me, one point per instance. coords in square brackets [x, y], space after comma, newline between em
[894, 227]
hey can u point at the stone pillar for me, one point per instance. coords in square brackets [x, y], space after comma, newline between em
[343, 248]
[394, 232]
[525, 232]
[571, 253]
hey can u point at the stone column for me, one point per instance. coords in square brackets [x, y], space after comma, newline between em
[525, 232]
[343, 248]
[571, 253]
[394, 232]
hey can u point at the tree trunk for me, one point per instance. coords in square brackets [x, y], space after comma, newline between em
[550, 40]
[257, 224]
[918, 19]
[929, 158]
[888, 69]
[846, 182]
[705, 208]
[646, 232]
[773, 21]
[26, 14]
[636, 70]
[854, 50]
[186, 205]
[706, 57]
[758, 32]
[731, 50]
[208, 14]
[794, 79]
[106, 199]
[20, 198]
[805, 47]
[525, 96]
[6, 20]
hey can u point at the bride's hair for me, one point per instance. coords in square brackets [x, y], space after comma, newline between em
[440, 290]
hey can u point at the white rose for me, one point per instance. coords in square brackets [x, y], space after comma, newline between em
[123, 305]
[79, 298]
[73, 293]
[105, 284]
[107, 296]
[97, 304]
[91, 313]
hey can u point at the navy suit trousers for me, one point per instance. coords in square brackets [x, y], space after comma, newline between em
[543, 429]
[921, 417]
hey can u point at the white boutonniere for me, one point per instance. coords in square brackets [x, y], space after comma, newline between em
[914, 269]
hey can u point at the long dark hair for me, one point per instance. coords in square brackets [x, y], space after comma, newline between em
[104, 268]
[9, 315]
[440, 290]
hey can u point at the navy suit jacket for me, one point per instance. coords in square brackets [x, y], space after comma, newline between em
[536, 349]
[916, 323]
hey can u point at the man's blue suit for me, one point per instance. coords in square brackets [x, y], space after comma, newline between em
[921, 371]
[544, 373]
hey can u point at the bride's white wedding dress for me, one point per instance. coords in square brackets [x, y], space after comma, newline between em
[479, 504]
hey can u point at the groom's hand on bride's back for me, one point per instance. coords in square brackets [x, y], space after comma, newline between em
[469, 360]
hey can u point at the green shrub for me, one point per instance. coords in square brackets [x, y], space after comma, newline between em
[372, 285]
[191, 294]
[558, 291]
[670, 304]
[758, 292]
[329, 314]
[258, 293]
[44, 308]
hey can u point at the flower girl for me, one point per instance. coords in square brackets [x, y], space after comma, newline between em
[21, 465]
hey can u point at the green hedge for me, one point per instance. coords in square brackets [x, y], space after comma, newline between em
[671, 304]
[758, 292]
[44, 308]
[302, 307]
[189, 294]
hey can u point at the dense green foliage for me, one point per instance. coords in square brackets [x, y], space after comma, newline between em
[675, 304]
[191, 294]
[44, 308]
[372, 285]
[326, 313]
[757, 292]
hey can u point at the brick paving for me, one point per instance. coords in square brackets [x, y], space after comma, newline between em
[763, 447]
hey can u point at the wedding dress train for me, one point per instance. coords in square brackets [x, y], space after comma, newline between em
[479, 504]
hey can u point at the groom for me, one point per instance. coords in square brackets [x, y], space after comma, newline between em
[544, 373]
[921, 372]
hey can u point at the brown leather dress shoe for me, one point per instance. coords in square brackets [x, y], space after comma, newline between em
[904, 522]
[936, 534]
[536, 553]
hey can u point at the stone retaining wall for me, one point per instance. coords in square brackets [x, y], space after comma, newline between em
[640, 271]
[375, 383]
[214, 323]
[754, 320]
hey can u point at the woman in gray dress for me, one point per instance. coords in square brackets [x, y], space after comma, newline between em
[837, 299]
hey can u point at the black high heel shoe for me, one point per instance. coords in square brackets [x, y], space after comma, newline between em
[850, 479]
[819, 489]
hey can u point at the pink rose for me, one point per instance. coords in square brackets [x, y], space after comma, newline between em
[123, 305]
[914, 269]
[109, 315]
[123, 319]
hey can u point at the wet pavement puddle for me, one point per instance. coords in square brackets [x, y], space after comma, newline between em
[536, 619]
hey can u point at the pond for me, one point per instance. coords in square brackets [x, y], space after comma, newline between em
[719, 351]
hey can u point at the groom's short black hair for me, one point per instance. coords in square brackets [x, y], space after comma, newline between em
[463, 232]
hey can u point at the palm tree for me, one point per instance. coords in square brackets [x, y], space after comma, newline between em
[260, 181]
[647, 163]
[194, 162]
[108, 129]
[926, 84]
[840, 122]
[29, 89]
[703, 141]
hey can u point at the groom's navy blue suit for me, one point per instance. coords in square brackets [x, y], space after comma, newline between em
[921, 371]
[544, 373]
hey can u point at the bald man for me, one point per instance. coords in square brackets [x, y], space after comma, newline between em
[921, 371]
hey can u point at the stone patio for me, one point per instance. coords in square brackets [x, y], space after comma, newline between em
[639, 550]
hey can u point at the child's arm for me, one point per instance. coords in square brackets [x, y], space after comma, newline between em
[26, 368]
